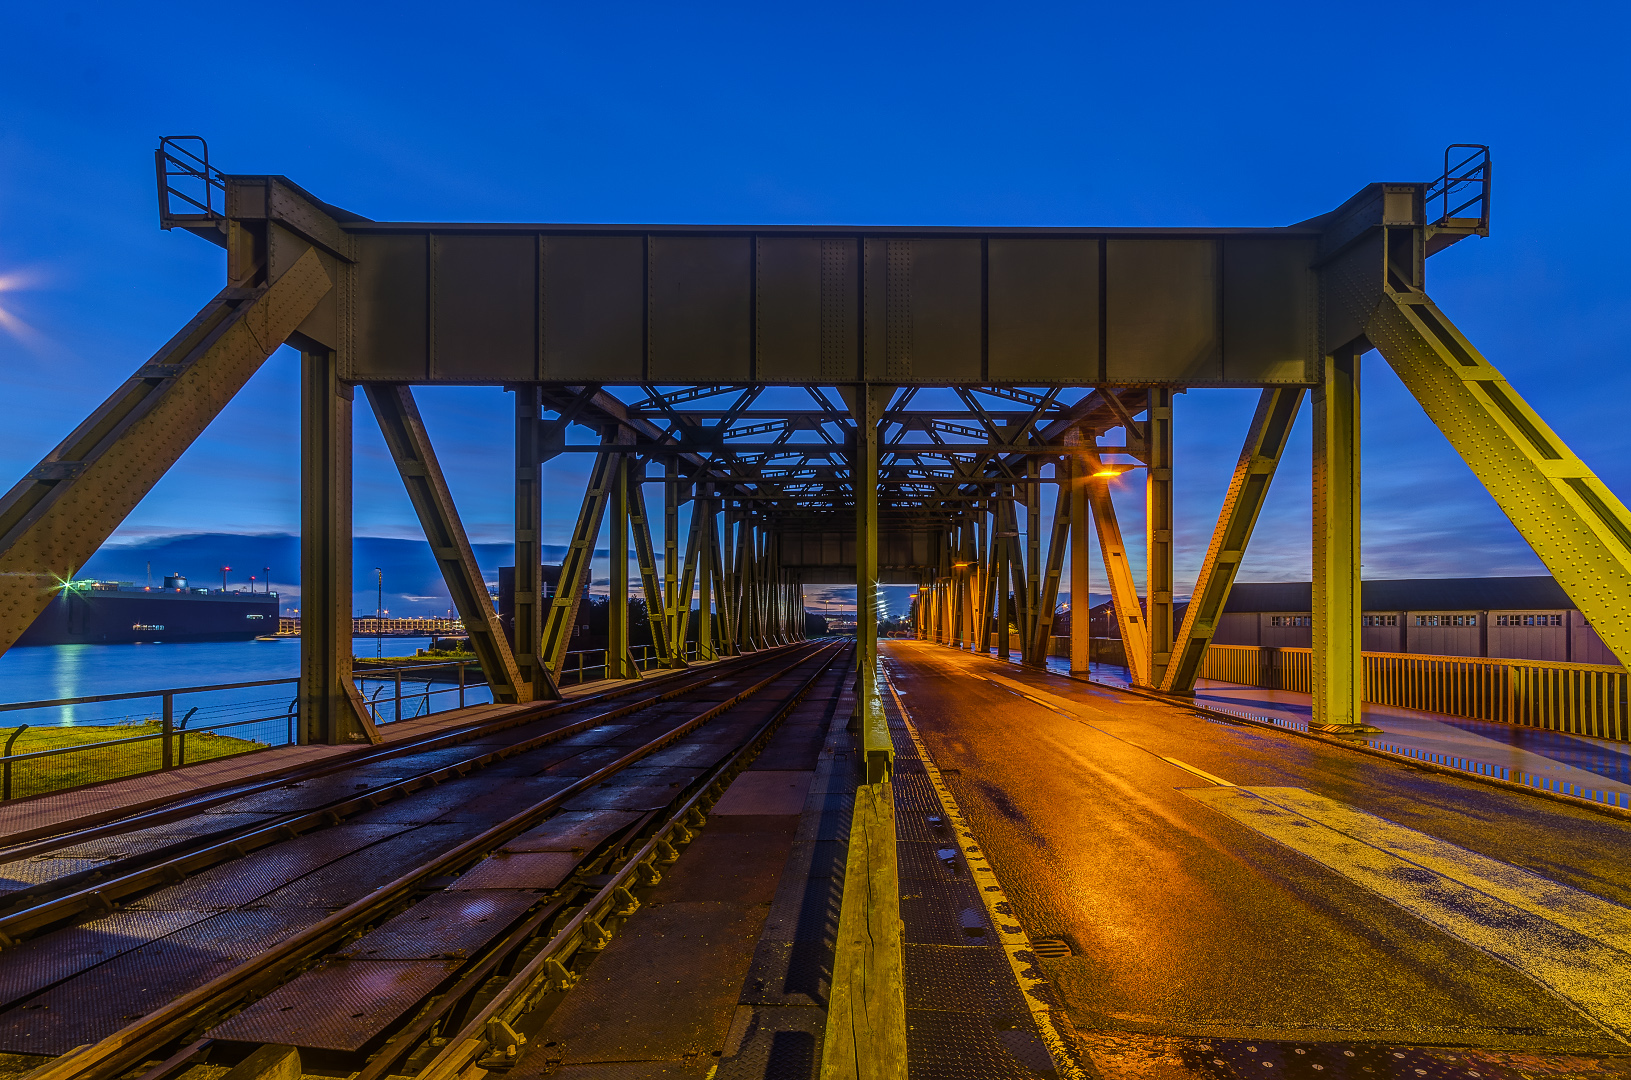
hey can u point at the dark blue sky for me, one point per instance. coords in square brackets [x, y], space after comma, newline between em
[1178, 114]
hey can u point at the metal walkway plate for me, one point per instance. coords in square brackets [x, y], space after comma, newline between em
[531, 870]
[339, 1006]
[581, 830]
[443, 926]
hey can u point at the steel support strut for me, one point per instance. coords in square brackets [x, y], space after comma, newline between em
[1118, 569]
[867, 405]
[1058, 541]
[56, 517]
[1577, 526]
[1337, 670]
[1248, 488]
[646, 558]
[1158, 529]
[563, 612]
[528, 611]
[331, 709]
[618, 665]
[410, 446]
[1081, 562]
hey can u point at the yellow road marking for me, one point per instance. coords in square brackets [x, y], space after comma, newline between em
[1202, 773]
[1016, 944]
[1567, 940]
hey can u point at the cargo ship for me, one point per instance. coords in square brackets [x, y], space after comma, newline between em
[121, 612]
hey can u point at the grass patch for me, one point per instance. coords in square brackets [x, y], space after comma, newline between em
[95, 764]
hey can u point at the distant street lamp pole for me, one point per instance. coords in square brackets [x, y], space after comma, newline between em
[379, 613]
[267, 570]
[224, 570]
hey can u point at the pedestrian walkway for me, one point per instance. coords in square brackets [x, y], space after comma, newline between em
[1594, 769]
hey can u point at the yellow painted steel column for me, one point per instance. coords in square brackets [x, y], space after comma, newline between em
[1081, 565]
[617, 613]
[1336, 657]
[527, 615]
[331, 710]
[868, 404]
[1158, 529]
[671, 565]
[707, 556]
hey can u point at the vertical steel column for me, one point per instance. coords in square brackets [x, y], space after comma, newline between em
[1337, 671]
[1033, 549]
[1158, 532]
[528, 613]
[1042, 636]
[671, 561]
[1081, 561]
[563, 611]
[409, 442]
[868, 405]
[707, 558]
[1006, 541]
[693, 553]
[645, 557]
[993, 574]
[617, 549]
[331, 710]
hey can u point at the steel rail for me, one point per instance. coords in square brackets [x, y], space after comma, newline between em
[115, 1054]
[100, 897]
[588, 927]
[161, 811]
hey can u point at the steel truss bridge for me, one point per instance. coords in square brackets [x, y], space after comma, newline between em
[836, 404]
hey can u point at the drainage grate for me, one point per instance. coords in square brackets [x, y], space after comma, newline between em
[1051, 948]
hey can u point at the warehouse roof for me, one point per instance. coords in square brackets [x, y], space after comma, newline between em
[1411, 594]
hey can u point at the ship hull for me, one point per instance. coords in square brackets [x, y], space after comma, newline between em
[125, 617]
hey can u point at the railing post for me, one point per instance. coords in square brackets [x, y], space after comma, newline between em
[167, 755]
[398, 713]
[6, 784]
[461, 684]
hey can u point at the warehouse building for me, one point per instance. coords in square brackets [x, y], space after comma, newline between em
[1524, 618]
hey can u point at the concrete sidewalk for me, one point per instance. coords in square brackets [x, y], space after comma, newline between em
[1595, 769]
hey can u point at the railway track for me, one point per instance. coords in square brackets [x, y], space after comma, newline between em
[407, 913]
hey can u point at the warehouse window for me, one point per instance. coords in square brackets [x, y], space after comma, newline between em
[1446, 620]
[1380, 620]
[1528, 620]
[1291, 620]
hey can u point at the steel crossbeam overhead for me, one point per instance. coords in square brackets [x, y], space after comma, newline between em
[833, 404]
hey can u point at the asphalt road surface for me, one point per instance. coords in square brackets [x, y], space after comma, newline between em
[1328, 896]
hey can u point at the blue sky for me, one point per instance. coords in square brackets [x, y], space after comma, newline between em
[1176, 114]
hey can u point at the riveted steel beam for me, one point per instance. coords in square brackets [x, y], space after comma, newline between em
[1058, 543]
[1135, 637]
[646, 558]
[528, 612]
[1158, 532]
[1578, 527]
[1248, 488]
[410, 446]
[56, 517]
[1338, 671]
[563, 610]
[331, 709]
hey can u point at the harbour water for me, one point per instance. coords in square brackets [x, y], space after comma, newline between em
[51, 672]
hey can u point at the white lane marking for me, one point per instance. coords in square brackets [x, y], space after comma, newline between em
[1202, 773]
[1036, 694]
[1016, 944]
[1585, 914]
[1507, 915]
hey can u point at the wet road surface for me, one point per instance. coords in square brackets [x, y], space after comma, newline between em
[1219, 882]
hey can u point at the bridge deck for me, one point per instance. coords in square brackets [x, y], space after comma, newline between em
[1331, 898]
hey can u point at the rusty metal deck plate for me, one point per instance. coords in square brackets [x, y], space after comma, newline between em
[642, 797]
[33, 965]
[342, 1005]
[360, 872]
[244, 880]
[576, 831]
[528, 870]
[443, 926]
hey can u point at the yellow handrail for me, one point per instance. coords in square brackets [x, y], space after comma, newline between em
[1582, 699]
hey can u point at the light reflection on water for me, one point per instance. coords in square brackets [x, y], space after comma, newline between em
[46, 672]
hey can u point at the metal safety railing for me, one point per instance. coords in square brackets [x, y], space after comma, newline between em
[191, 190]
[1464, 187]
[58, 747]
[1580, 699]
